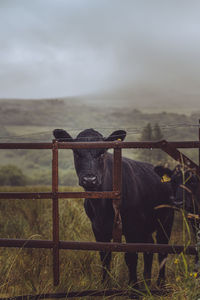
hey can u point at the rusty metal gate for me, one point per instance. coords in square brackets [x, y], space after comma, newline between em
[55, 244]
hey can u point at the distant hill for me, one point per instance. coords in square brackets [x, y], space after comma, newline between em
[148, 99]
[74, 114]
[34, 120]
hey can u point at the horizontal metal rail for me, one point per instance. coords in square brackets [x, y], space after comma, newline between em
[134, 294]
[63, 195]
[26, 146]
[98, 246]
[94, 145]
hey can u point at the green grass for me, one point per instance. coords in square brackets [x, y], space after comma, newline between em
[29, 271]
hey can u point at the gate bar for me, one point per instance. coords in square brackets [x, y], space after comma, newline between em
[95, 145]
[63, 195]
[126, 145]
[117, 186]
[117, 170]
[177, 155]
[55, 213]
[99, 246]
[199, 141]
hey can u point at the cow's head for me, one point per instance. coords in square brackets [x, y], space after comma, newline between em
[184, 183]
[89, 163]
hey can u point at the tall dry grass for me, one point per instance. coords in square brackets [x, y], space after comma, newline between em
[29, 271]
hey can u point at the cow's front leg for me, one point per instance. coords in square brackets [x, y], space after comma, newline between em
[131, 261]
[104, 255]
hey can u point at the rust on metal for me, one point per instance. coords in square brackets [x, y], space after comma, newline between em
[177, 155]
[107, 145]
[25, 145]
[117, 186]
[22, 195]
[55, 213]
[117, 171]
[133, 294]
[49, 195]
[98, 246]
[126, 145]
[128, 247]
[22, 243]
[91, 195]
[199, 141]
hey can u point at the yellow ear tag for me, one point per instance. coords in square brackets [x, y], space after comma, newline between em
[165, 178]
[119, 140]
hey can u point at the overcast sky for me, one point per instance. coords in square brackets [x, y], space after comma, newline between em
[60, 48]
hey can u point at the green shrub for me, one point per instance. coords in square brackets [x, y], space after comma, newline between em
[12, 175]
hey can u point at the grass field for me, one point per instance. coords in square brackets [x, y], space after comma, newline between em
[29, 271]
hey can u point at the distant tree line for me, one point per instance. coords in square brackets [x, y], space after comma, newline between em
[151, 134]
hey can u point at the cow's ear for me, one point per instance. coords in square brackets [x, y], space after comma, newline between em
[164, 173]
[116, 135]
[62, 136]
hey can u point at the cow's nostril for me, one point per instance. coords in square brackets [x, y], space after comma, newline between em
[89, 180]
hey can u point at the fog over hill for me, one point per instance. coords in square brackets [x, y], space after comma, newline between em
[34, 121]
[141, 54]
[148, 99]
[76, 114]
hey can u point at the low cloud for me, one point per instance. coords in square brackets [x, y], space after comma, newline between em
[111, 48]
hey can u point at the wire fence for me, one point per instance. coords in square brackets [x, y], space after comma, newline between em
[38, 136]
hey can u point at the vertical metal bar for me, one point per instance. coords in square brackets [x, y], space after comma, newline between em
[55, 212]
[197, 265]
[117, 170]
[199, 141]
[117, 187]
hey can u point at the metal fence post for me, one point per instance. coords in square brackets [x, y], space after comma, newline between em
[117, 185]
[55, 212]
[197, 266]
[199, 141]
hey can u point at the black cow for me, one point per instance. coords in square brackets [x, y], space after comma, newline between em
[142, 190]
[185, 191]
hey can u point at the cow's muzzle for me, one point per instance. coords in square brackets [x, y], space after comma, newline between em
[89, 181]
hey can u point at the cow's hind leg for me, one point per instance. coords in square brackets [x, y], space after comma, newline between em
[131, 261]
[162, 237]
